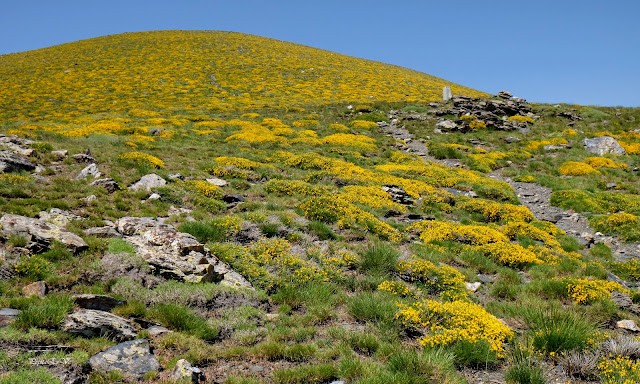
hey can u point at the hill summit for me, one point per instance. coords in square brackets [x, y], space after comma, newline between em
[207, 70]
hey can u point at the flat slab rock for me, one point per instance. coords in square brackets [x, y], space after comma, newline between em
[93, 323]
[175, 255]
[39, 234]
[10, 162]
[133, 358]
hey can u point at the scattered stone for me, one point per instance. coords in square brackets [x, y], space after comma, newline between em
[89, 199]
[629, 325]
[157, 330]
[89, 170]
[446, 125]
[147, 182]
[102, 232]
[217, 182]
[185, 371]
[8, 316]
[603, 145]
[10, 162]
[176, 176]
[554, 147]
[233, 198]
[154, 196]
[505, 95]
[39, 234]
[39, 288]
[485, 279]
[60, 155]
[97, 302]
[472, 287]
[611, 185]
[86, 157]
[398, 194]
[58, 217]
[93, 323]
[469, 193]
[133, 358]
[109, 184]
[620, 299]
[446, 93]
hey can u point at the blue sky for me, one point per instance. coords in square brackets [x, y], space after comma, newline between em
[583, 52]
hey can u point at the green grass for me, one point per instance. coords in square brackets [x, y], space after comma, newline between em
[185, 320]
[47, 313]
[119, 246]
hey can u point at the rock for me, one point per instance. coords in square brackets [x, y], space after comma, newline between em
[233, 198]
[133, 358]
[109, 184]
[8, 316]
[154, 196]
[505, 95]
[554, 147]
[157, 330]
[469, 193]
[39, 288]
[473, 286]
[93, 323]
[60, 155]
[102, 232]
[184, 371]
[89, 199]
[446, 93]
[89, 170]
[176, 176]
[620, 299]
[147, 182]
[611, 185]
[39, 234]
[628, 325]
[217, 182]
[58, 217]
[603, 145]
[97, 302]
[86, 157]
[10, 162]
[486, 279]
[398, 194]
[447, 125]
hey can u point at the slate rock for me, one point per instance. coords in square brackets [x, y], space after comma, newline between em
[93, 323]
[39, 234]
[97, 302]
[185, 371]
[10, 162]
[109, 184]
[603, 145]
[89, 170]
[39, 288]
[629, 325]
[233, 198]
[505, 95]
[133, 358]
[147, 182]
[102, 232]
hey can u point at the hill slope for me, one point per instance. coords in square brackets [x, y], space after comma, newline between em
[204, 70]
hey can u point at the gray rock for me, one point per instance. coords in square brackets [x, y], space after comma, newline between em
[60, 155]
[217, 182]
[109, 184]
[157, 330]
[472, 287]
[133, 358]
[10, 162]
[611, 185]
[185, 371]
[176, 176]
[446, 93]
[233, 198]
[620, 299]
[505, 95]
[603, 145]
[147, 182]
[39, 234]
[39, 288]
[93, 323]
[447, 125]
[9, 312]
[629, 325]
[97, 302]
[89, 170]
[102, 232]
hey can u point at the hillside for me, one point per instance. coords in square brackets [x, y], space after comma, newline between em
[180, 71]
[309, 234]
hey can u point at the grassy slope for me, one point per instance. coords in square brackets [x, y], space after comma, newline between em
[329, 257]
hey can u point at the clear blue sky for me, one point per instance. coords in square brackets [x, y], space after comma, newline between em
[584, 52]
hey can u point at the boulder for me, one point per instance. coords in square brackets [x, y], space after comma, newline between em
[8, 316]
[102, 232]
[86, 157]
[217, 182]
[93, 323]
[233, 198]
[39, 234]
[97, 302]
[39, 288]
[603, 145]
[185, 371]
[10, 162]
[398, 194]
[629, 325]
[109, 184]
[89, 170]
[147, 182]
[60, 155]
[447, 125]
[472, 287]
[505, 95]
[133, 358]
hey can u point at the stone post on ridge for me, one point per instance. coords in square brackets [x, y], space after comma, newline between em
[446, 93]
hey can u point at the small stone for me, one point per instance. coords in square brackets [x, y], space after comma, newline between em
[89, 199]
[628, 325]
[233, 198]
[447, 125]
[154, 196]
[10, 313]
[39, 288]
[109, 184]
[486, 279]
[473, 286]
[60, 155]
[93, 323]
[217, 182]
[257, 368]
[611, 185]
[147, 182]
[185, 371]
[157, 330]
[176, 176]
[89, 170]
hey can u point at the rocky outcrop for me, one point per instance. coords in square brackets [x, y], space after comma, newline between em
[97, 302]
[39, 288]
[11, 162]
[175, 255]
[185, 371]
[39, 234]
[89, 170]
[603, 145]
[147, 182]
[93, 323]
[109, 184]
[132, 358]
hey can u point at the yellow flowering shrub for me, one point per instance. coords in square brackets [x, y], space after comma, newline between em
[399, 288]
[569, 132]
[142, 159]
[493, 211]
[9, 178]
[547, 235]
[525, 179]
[203, 188]
[621, 219]
[521, 119]
[239, 162]
[434, 278]
[630, 148]
[209, 124]
[629, 269]
[466, 234]
[584, 291]
[619, 370]
[509, 254]
[371, 196]
[363, 124]
[305, 123]
[339, 127]
[362, 142]
[450, 322]
[477, 125]
[250, 115]
[534, 145]
[307, 133]
[295, 187]
[576, 168]
[603, 162]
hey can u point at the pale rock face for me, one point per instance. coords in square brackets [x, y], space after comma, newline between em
[147, 182]
[93, 323]
[603, 145]
[133, 358]
[89, 170]
[39, 234]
